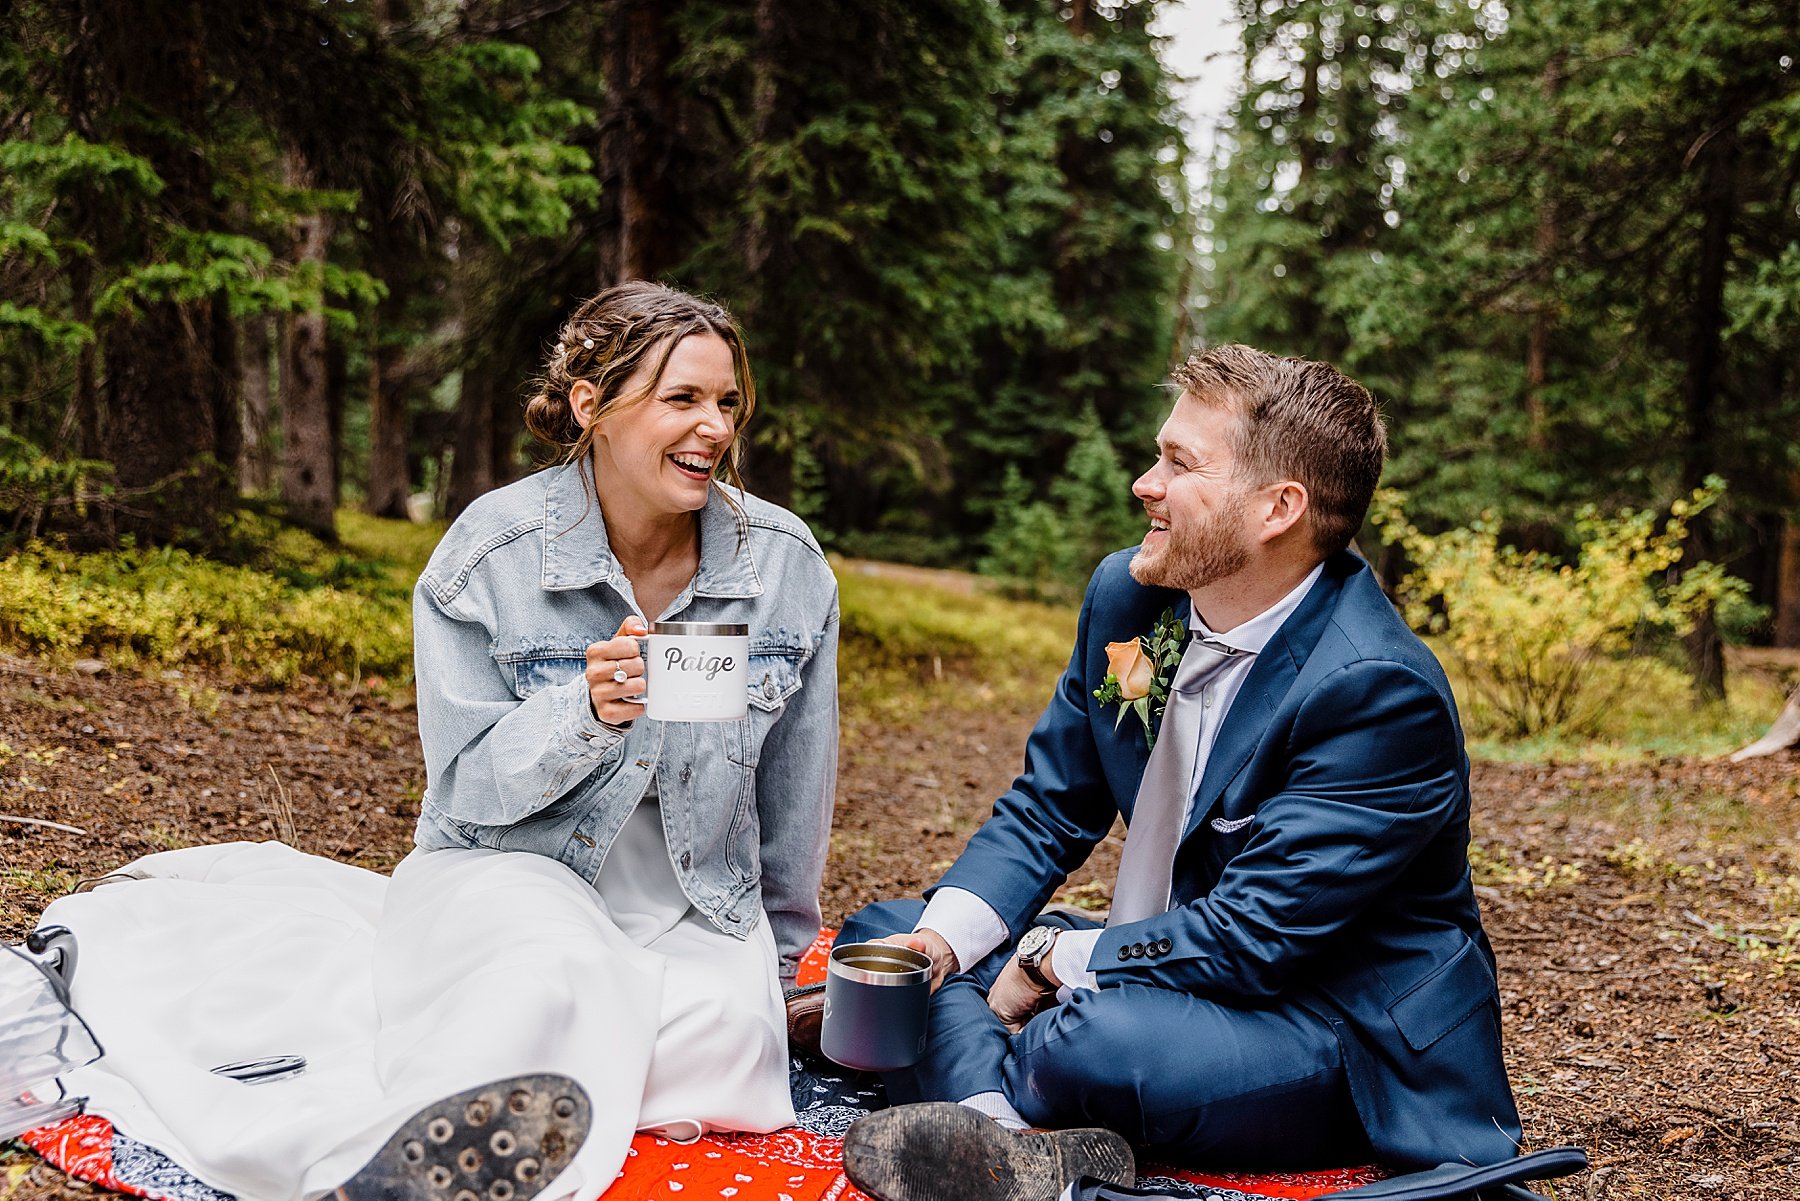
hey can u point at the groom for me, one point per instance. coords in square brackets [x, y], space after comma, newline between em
[1293, 973]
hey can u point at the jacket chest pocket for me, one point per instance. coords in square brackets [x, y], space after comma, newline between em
[772, 677]
[533, 669]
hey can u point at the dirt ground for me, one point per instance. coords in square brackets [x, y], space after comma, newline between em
[1647, 918]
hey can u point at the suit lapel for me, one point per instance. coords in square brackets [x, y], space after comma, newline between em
[1121, 742]
[1244, 726]
[1273, 674]
[1134, 733]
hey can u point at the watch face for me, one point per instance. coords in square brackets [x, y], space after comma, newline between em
[1033, 943]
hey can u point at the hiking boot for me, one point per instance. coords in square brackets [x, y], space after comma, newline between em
[941, 1151]
[500, 1142]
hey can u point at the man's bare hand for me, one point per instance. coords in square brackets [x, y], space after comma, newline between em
[932, 945]
[1016, 998]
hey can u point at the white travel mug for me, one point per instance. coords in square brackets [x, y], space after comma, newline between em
[696, 671]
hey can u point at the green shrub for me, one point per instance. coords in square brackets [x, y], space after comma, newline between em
[295, 606]
[1546, 646]
[1649, 712]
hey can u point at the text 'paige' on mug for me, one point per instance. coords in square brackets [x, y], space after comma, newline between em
[696, 671]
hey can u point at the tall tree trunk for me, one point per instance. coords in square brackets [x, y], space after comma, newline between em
[388, 483]
[160, 435]
[1305, 265]
[309, 467]
[1071, 164]
[1546, 242]
[161, 393]
[1787, 588]
[766, 259]
[472, 462]
[86, 400]
[256, 454]
[228, 432]
[765, 91]
[641, 115]
[337, 403]
[503, 445]
[1061, 360]
[1718, 201]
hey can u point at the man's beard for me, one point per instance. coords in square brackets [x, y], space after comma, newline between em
[1200, 556]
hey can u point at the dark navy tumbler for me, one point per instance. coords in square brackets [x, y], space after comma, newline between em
[876, 996]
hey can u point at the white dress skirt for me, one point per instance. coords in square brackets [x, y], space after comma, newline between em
[465, 967]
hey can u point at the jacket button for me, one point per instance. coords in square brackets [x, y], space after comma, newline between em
[1124, 954]
[1137, 950]
[687, 776]
[768, 687]
[1164, 946]
[687, 861]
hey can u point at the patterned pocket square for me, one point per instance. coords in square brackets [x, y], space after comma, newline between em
[1231, 825]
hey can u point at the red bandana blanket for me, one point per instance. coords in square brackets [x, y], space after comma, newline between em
[802, 1163]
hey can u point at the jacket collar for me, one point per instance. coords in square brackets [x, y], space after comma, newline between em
[577, 554]
[1254, 635]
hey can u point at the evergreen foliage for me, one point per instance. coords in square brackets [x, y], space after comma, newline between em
[1554, 238]
[1045, 546]
[948, 226]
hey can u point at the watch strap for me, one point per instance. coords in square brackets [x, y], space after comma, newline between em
[1030, 965]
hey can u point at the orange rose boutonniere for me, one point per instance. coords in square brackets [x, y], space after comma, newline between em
[1139, 672]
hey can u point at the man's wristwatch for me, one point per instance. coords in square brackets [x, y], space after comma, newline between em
[1034, 948]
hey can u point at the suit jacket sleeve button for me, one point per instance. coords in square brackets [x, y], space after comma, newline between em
[1164, 946]
[1124, 954]
[1137, 950]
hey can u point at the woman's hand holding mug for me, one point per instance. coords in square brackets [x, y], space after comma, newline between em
[615, 675]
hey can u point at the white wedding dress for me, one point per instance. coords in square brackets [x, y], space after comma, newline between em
[467, 966]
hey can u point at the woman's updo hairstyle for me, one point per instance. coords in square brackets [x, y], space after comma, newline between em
[608, 338]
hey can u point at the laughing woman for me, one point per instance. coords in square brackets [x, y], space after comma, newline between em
[703, 843]
[599, 905]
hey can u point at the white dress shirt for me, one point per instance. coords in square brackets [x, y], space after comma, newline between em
[972, 927]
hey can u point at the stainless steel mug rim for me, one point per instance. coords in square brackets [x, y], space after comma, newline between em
[919, 965]
[701, 629]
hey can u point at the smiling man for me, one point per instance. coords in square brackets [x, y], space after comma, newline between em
[1293, 973]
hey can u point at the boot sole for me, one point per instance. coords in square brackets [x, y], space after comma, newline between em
[503, 1141]
[941, 1151]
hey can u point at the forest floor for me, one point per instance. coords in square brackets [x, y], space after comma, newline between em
[1647, 916]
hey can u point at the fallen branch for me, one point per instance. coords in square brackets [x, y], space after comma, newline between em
[38, 821]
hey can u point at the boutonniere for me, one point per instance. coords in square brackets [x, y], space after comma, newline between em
[1141, 669]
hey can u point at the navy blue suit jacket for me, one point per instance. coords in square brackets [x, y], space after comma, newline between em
[1347, 891]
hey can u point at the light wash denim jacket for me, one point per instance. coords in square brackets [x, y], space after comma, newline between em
[516, 760]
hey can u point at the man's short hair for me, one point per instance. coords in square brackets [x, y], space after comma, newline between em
[1297, 420]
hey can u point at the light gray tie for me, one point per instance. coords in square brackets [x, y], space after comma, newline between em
[1148, 862]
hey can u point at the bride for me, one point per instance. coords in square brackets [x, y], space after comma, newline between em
[602, 910]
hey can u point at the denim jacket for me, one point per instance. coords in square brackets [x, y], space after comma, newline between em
[516, 760]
